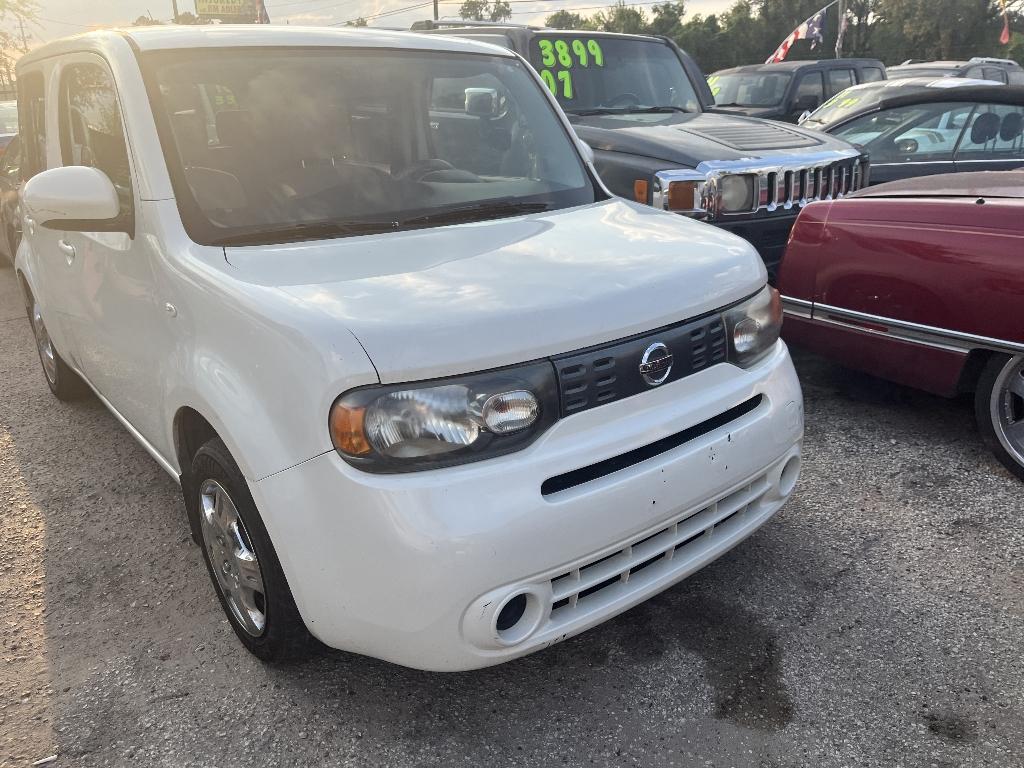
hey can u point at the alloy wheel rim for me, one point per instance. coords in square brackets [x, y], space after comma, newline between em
[233, 560]
[44, 345]
[1007, 408]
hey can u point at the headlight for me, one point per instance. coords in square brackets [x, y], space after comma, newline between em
[403, 428]
[736, 193]
[753, 327]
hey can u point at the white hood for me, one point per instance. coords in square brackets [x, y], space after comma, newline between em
[456, 299]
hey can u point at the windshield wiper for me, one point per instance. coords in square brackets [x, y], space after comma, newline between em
[476, 212]
[654, 110]
[307, 231]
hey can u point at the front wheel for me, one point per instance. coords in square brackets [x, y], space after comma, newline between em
[243, 565]
[63, 382]
[999, 408]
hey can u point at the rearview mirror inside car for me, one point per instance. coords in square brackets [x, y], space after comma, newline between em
[482, 102]
[74, 198]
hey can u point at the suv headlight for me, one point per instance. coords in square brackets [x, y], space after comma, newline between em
[753, 327]
[735, 193]
[409, 427]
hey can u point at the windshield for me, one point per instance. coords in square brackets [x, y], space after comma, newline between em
[750, 89]
[8, 117]
[269, 145]
[612, 74]
[843, 105]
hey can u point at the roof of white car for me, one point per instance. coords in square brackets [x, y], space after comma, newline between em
[171, 37]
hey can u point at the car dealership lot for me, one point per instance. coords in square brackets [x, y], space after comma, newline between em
[877, 620]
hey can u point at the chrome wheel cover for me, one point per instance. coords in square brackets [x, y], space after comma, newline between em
[1007, 408]
[46, 354]
[232, 558]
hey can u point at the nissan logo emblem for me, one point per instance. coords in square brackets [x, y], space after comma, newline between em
[656, 364]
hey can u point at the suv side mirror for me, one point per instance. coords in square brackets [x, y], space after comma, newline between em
[75, 198]
[482, 102]
[806, 103]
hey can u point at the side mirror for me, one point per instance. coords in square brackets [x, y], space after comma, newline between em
[807, 103]
[74, 199]
[907, 146]
[482, 102]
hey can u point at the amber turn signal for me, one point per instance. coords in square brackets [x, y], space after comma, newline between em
[640, 190]
[347, 431]
[682, 196]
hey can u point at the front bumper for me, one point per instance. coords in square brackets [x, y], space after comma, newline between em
[415, 568]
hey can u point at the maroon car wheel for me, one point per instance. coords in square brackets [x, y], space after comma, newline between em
[999, 406]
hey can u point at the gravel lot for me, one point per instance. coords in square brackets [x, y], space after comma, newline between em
[878, 620]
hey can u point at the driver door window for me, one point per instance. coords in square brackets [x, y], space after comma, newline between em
[995, 134]
[912, 134]
[91, 132]
[810, 92]
[839, 80]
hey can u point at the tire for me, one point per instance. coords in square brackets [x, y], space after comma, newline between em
[999, 409]
[256, 600]
[63, 382]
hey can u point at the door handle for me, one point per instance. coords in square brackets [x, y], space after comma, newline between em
[68, 250]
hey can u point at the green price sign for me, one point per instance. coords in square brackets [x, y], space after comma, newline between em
[559, 58]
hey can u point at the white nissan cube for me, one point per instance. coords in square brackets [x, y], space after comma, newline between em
[432, 394]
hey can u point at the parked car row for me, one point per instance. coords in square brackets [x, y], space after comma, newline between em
[413, 320]
[646, 110]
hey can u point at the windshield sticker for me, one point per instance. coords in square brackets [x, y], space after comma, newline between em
[559, 58]
[713, 83]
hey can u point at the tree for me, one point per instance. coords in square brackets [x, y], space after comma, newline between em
[360, 22]
[668, 19]
[483, 10]
[565, 20]
[622, 17]
[17, 17]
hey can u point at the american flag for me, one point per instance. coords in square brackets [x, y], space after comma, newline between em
[809, 30]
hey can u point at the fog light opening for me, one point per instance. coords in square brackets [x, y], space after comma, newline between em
[517, 619]
[790, 473]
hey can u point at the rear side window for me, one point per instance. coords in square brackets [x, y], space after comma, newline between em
[32, 120]
[871, 75]
[996, 132]
[915, 133]
[839, 80]
[994, 73]
[91, 132]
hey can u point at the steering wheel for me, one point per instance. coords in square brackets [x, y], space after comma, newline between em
[423, 168]
[629, 99]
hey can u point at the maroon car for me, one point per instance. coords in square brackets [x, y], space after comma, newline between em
[922, 282]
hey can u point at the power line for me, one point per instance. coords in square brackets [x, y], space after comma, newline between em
[382, 14]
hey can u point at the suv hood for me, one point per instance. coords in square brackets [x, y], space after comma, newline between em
[687, 139]
[457, 299]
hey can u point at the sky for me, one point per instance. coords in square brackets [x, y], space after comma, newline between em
[66, 17]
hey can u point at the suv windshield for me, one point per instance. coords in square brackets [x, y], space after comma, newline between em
[750, 89]
[601, 73]
[270, 145]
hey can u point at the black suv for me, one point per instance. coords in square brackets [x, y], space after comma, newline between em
[642, 105]
[978, 68]
[788, 89]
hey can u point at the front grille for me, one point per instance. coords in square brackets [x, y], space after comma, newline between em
[610, 372]
[670, 549]
[784, 188]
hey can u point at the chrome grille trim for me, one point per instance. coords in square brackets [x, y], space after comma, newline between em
[782, 183]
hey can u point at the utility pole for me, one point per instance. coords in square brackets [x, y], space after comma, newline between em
[24, 38]
[842, 29]
[435, 10]
[174, 5]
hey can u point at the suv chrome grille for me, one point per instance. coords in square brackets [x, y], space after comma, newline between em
[784, 188]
